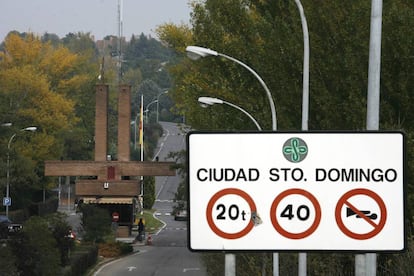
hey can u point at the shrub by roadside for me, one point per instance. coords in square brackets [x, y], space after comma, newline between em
[114, 249]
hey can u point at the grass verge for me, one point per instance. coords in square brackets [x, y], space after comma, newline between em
[152, 224]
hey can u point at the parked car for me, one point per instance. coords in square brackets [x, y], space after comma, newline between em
[181, 215]
[180, 210]
[7, 227]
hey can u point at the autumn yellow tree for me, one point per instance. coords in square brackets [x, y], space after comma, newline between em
[33, 78]
[39, 86]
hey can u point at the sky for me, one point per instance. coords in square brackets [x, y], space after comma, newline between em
[99, 17]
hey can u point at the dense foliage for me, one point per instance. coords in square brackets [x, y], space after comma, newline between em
[96, 222]
[267, 36]
[32, 255]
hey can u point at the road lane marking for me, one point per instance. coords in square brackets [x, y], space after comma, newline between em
[130, 268]
[191, 269]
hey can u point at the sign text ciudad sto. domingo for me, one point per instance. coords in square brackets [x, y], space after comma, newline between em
[297, 174]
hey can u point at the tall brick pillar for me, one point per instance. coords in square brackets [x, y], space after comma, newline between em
[124, 122]
[101, 122]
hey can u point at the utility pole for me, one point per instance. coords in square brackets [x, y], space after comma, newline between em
[366, 265]
[120, 19]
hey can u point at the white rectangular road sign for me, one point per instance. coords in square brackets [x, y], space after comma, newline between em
[296, 191]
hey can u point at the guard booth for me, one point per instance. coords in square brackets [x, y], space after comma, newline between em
[125, 207]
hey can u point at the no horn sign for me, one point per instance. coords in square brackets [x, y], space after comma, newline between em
[331, 191]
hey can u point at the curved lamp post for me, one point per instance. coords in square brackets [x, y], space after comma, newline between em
[230, 259]
[305, 102]
[207, 101]
[158, 102]
[195, 52]
[32, 128]
[305, 96]
[148, 105]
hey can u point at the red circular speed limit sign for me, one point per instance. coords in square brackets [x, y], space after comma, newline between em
[295, 211]
[350, 216]
[220, 212]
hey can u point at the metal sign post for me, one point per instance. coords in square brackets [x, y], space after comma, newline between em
[373, 106]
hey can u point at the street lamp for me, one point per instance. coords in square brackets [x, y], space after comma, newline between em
[32, 128]
[305, 103]
[195, 52]
[148, 105]
[158, 102]
[230, 259]
[207, 101]
[305, 96]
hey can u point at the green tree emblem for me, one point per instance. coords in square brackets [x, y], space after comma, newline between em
[295, 150]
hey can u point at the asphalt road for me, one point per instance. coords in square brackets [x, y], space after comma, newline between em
[168, 255]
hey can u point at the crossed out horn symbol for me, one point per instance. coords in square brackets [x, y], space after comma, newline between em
[368, 214]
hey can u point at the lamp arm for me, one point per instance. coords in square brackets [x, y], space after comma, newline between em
[10, 141]
[245, 112]
[268, 93]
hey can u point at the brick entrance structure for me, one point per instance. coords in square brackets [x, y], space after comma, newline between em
[109, 181]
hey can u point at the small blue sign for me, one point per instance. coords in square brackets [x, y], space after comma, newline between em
[7, 201]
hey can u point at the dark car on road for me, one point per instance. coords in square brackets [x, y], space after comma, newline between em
[7, 227]
[181, 215]
[180, 211]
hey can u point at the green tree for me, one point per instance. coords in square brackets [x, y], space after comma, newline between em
[60, 230]
[96, 222]
[149, 192]
[181, 167]
[36, 256]
[133, 77]
[8, 261]
[148, 55]
[24, 182]
[267, 36]
[79, 88]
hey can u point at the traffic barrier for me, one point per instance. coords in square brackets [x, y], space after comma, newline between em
[149, 240]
